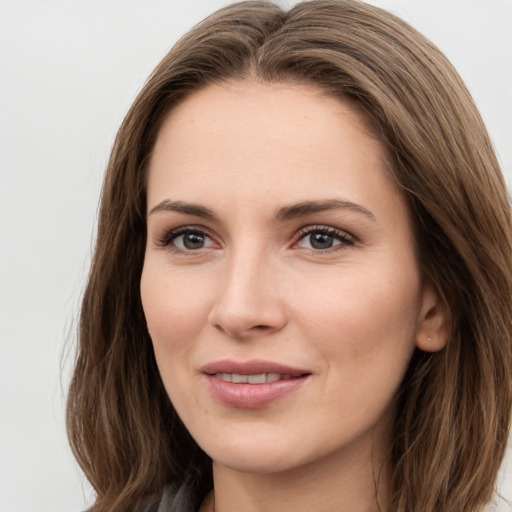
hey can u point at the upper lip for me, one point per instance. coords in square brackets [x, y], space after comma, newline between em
[252, 367]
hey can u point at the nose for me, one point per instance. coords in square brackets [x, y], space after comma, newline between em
[248, 301]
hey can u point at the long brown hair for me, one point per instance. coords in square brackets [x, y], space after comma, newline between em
[454, 411]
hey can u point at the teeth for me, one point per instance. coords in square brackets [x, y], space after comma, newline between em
[260, 378]
[257, 379]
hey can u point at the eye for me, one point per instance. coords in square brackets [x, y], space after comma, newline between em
[186, 239]
[323, 238]
[192, 241]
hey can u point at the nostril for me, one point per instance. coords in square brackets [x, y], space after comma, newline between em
[261, 328]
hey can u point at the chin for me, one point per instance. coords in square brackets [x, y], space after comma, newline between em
[253, 461]
[253, 454]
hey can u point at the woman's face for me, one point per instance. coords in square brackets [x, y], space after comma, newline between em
[280, 284]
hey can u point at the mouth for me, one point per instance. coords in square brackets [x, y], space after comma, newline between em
[252, 384]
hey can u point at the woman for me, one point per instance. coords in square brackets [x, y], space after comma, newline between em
[301, 289]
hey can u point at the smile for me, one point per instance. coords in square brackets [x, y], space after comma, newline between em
[252, 384]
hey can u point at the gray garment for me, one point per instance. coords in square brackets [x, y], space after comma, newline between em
[181, 501]
[171, 500]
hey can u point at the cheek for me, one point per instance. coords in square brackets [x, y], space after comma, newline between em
[363, 333]
[175, 313]
[361, 317]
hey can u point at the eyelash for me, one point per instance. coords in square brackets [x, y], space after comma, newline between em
[168, 238]
[346, 240]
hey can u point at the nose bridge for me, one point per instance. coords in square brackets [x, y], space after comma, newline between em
[247, 299]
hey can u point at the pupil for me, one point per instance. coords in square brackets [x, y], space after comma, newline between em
[321, 241]
[193, 241]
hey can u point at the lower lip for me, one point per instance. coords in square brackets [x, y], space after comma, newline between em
[252, 396]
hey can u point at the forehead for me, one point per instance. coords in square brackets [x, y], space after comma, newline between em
[267, 107]
[243, 138]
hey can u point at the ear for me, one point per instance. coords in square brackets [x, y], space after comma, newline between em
[435, 320]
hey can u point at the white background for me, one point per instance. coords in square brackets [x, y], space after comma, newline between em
[69, 71]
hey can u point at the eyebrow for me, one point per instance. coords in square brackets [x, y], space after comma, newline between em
[283, 214]
[186, 208]
[311, 207]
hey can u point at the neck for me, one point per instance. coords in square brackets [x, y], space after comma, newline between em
[347, 482]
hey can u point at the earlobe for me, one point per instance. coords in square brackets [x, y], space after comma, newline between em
[435, 321]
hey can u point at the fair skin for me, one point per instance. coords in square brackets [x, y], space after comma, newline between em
[275, 234]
